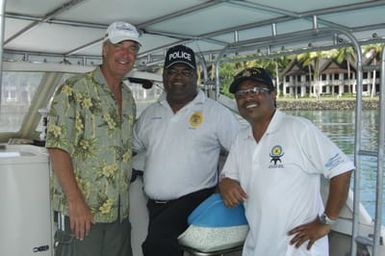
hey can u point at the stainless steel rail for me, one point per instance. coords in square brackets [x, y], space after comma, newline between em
[380, 162]
[374, 241]
[2, 24]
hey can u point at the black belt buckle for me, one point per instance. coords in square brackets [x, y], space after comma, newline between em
[160, 201]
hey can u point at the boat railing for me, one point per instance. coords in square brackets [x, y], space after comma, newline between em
[380, 162]
[373, 241]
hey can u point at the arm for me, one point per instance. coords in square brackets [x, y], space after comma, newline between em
[338, 192]
[229, 187]
[231, 192]
[79, 212]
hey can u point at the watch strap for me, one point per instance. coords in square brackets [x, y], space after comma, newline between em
[324, 219]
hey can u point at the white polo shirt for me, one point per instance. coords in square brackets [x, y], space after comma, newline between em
[281, 175]
[182, 149]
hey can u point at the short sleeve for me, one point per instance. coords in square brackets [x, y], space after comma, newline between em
[62, 120]
[326, 157]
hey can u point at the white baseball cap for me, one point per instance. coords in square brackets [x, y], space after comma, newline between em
[120, 31]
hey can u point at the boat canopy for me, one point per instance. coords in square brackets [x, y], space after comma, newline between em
[72, 32]
[46, 41]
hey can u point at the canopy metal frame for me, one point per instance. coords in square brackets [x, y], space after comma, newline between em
[152, 26]
[331, 30]
[313, 34]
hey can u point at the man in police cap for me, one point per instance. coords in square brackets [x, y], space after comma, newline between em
[182, 135]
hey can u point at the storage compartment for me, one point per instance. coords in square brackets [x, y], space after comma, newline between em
[25, 217]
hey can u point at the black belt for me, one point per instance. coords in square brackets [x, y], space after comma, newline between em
[159, 201]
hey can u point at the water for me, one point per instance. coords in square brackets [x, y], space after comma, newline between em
[339, 126]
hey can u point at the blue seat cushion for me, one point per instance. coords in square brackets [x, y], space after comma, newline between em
[213, 213]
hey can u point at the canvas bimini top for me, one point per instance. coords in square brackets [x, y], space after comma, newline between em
[73, 31]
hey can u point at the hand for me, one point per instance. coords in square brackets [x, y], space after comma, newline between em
[308, 232]
[80, 218]
[231, 192]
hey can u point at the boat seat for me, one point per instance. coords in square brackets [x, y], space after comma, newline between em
[195, 252]
[214, 229]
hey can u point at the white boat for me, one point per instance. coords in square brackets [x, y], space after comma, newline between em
[46, 41]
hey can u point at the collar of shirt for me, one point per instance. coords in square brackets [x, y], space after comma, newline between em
[99, 78]
[98, 75]
[199, 99]
[274, 125]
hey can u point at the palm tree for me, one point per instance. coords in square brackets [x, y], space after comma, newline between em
[227, 72]
[374, 50]
[312, 59]
[346, 54]
[275, 66]
[229, 69]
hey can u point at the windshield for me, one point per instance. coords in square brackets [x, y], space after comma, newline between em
[18, 90]
[18, 97]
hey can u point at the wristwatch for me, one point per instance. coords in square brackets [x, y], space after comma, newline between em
[325, 220]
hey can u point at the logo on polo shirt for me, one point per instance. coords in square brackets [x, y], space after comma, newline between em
[196, 119]
[276, 153]
[334, 161]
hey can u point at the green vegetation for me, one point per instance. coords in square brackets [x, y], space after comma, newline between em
[229, 69]
[311, 60]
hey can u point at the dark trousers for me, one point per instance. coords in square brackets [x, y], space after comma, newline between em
[167, 221]
[104, 239]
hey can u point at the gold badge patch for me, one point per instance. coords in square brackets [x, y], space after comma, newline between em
[196, 119]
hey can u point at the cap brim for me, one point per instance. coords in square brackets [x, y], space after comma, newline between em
[118, 39]
[182, 62]
[235, 84]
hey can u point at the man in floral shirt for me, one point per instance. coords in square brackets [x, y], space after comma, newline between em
[89, 141]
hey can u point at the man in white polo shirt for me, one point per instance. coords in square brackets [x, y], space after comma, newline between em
[182, 135]
[274, 167]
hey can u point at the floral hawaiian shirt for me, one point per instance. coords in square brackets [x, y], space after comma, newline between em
[84, 121]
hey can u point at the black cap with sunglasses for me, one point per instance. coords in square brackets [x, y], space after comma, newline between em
[255, 74]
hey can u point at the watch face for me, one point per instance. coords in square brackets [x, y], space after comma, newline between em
[322, 219]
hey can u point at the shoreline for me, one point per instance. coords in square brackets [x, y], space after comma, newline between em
[325, 104]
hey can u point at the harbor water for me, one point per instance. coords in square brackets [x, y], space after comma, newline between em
[340, 127]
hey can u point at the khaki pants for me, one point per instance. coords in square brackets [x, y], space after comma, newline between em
[104, 239]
